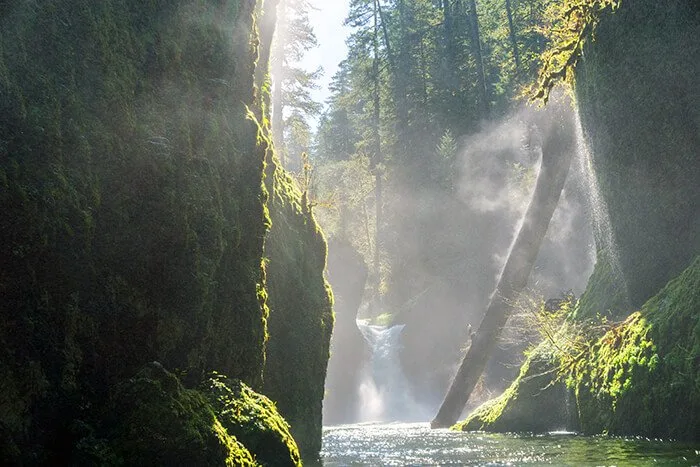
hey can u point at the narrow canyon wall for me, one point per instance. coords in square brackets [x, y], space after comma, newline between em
[638, 98]
[134, 208]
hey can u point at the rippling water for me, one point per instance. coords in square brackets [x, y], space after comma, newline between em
[417, 444]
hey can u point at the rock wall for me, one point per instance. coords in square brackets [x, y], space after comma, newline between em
[642, 377]
[134, 209]
[301, 312]
[640, 110]
[638, 99]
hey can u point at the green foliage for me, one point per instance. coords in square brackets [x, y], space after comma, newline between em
[298, 140]
[571, 24]
[337, 137]
[343, 192]
[444, 170]
[426, 74]
[293, 85]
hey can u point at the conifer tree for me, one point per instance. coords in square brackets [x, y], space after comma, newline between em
[292, 101]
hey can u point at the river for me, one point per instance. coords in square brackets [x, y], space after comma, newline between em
[416, 444]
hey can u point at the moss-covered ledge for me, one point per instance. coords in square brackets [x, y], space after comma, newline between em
[151, 419]
[537, 401]
[641, 377]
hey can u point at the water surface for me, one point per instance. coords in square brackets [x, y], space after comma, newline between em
[416, 444]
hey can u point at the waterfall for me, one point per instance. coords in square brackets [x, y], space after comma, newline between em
[384, 392]
[598, 210]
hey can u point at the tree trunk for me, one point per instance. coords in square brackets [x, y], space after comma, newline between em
[513, 39]
[278, 77]
[450, 53]
[266, 25]
[558, 147]
[377, 154]
[478, 57]
[398, 71]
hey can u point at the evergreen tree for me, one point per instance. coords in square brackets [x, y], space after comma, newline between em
[292, 85]
[419, 75]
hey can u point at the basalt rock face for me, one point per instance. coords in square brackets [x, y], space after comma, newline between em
[134, 208]
[640, 110]
[642, 376]
[638, 100]
[301, 312]
[639, 104]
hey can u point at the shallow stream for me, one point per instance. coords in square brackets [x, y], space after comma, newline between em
[416, 444]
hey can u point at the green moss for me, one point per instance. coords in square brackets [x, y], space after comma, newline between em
[253, 419]
[641, 377]
[641, 373]
[605, 294]
[535, 402]
[133, 208]
[385, 319]
[573, 24]
[153, 420]
[301, 315]
[638, 98]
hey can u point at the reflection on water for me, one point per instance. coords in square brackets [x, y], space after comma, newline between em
[417, 444]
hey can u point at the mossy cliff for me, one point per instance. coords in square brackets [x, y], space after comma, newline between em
[639, 102]
[301, 312]
[636, 88]
[151, 419]
[641, 377]
[134, 207]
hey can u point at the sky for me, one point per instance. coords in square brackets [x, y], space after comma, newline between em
[327, 20]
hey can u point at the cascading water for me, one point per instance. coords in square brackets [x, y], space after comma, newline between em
[598, 210]
[384, 391]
